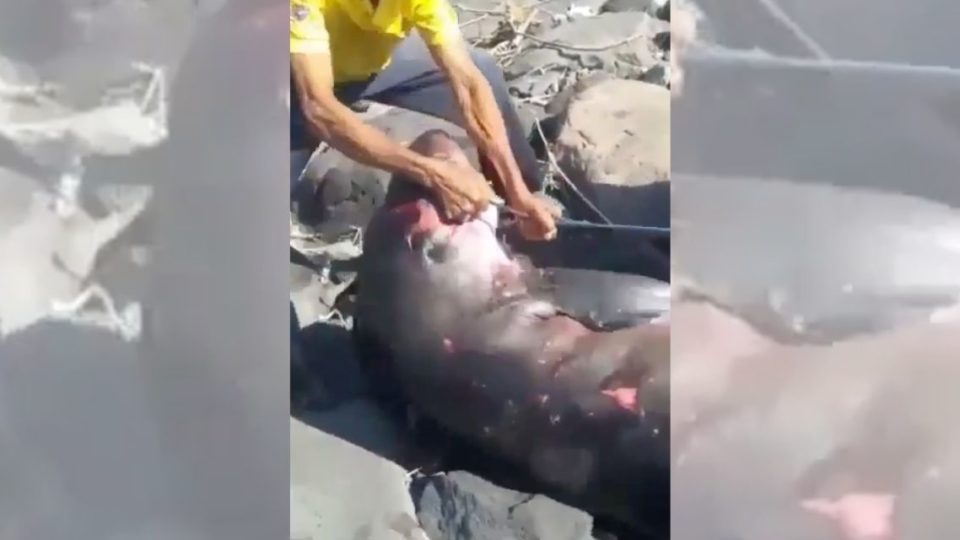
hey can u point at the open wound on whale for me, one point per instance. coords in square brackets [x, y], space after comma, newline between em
[624, 396]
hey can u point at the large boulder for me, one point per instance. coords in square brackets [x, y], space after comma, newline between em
[53, 266]
[614, 142]
[480, 20]
[623, 44]
[338, 490]
[658, 8]
[460, 506]
[617, 132]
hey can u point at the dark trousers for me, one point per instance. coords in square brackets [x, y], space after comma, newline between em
[412, 81]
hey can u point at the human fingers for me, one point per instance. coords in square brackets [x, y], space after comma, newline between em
[452, 206]
[545, 220]
[481, 192]
[537, 229]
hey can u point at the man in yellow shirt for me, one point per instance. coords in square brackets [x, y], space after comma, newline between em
[342, 51]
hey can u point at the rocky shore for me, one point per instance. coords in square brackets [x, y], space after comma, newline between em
[592, 80]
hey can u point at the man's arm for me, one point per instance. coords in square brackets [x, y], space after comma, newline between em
[336, 124]
[482, 116]
[342, 128]
[436, 22]
[462, 191]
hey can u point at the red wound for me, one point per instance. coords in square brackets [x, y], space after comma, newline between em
[624, 397]
[417, 217]
[858, 516]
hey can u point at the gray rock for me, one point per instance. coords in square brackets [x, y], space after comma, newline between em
[460, 506]
[362, 422]
[338, 490]
[553, 78]
[658, 75]
[617, 132]
[529, 114]
[85, 47]
[561, 102]
[595, 43]
[483, 22]
[322, 271]
[664, 11]
[479, 19]
[479, 29]
[330, 363]
[619, 6]
[549, 83]
[301, 384]
[568, 10]
[307, 292]
[658, 8]
[49, 257]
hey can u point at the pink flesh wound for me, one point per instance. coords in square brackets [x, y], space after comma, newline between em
[624, 397]
[858, 516]
[419, 217]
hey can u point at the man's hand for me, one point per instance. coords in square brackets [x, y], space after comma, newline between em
[535, 218]
[463, 191]
[483, 122]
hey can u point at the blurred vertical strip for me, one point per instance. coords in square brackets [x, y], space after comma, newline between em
[816, 264]
[222, 342]
[144, 384]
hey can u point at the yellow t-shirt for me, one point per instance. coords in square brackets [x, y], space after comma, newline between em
[359, 38]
